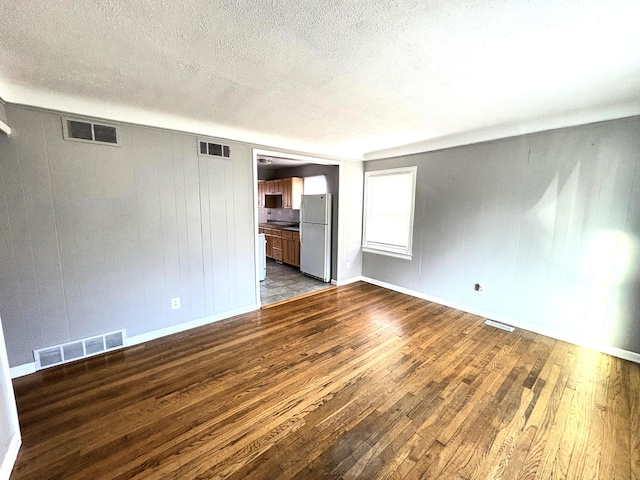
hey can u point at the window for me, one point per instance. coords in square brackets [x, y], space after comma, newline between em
[315, 185]
[388, 211]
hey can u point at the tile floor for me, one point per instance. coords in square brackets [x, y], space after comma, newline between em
[284, 282]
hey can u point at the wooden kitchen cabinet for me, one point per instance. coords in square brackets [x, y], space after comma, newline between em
[261, 187]
[292, 192]
[296, 249]
[269, 238]
[289, 188]
[277, 246]
[269, 186]
[291, 249]
[274, 186]
[282, 245]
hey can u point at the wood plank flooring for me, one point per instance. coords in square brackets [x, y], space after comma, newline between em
[354, 382]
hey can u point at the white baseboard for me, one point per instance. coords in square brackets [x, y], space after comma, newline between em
[620, 353]
[27, 368]
[163, 332]
[547, 332]
[22, 370]
[9, 459]
[347, 281]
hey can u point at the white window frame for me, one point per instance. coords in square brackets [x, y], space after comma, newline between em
[370, 245]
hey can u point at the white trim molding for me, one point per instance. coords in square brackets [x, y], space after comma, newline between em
[5, 128]
[10, 457]
[547, 332]
[22, 370]
[163, 332]
[347, 281]
[386, 196]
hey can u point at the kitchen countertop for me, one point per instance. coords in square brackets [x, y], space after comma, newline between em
[287, 226]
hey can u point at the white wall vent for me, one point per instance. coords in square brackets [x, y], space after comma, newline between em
[83, 131]
[207, 149]
[67, 352]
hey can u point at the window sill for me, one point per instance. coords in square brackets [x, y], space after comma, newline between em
[389, 253]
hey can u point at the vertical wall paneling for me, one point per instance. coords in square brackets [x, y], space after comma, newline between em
[80, 167]
[104, 186]
[207, 240]
[10, 292]
[230, 221]
[169, 225]
[96, 238]
[65, 225]
[245, 244]
[195, 222]
[20, 238]
[547, 222]
[124, 200]
[182, 232]
[146, 166]
[40, 220]
[219, 225]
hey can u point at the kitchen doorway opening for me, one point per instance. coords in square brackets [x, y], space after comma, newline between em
[280, 181]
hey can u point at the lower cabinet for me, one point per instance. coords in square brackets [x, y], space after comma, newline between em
[291, 249]
[283, 246]
[277, 248]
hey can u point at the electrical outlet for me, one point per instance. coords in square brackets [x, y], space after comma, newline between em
[348, 265]
[480, 289]
[175, 303]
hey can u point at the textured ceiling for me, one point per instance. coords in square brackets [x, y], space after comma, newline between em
[343, 78]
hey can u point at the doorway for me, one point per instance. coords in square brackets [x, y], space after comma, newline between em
[284, 281]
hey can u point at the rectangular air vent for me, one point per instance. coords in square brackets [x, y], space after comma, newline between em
[83, 131]
[207, 149]
[501, 326]
[50, 356]
[94, 345]
[67, 352]
[114, 340]
[72, 351]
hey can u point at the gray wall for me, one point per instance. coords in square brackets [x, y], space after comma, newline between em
[549, 223]
[96, 238]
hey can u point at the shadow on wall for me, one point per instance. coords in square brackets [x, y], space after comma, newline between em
[602, 261]
[549, 223]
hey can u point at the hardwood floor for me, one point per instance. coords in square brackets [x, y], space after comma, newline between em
[354, 382]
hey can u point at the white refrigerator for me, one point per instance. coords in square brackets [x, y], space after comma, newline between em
[315, 236]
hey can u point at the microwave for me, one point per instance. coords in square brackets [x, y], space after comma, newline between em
[273, 200]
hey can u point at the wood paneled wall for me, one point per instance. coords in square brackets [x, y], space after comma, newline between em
[96, 238]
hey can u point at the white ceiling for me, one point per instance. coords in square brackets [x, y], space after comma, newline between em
[344, 78]
[276, 163]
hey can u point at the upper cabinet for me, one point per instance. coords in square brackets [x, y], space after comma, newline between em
[261, 187]
[289, 188]
[292, 193]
